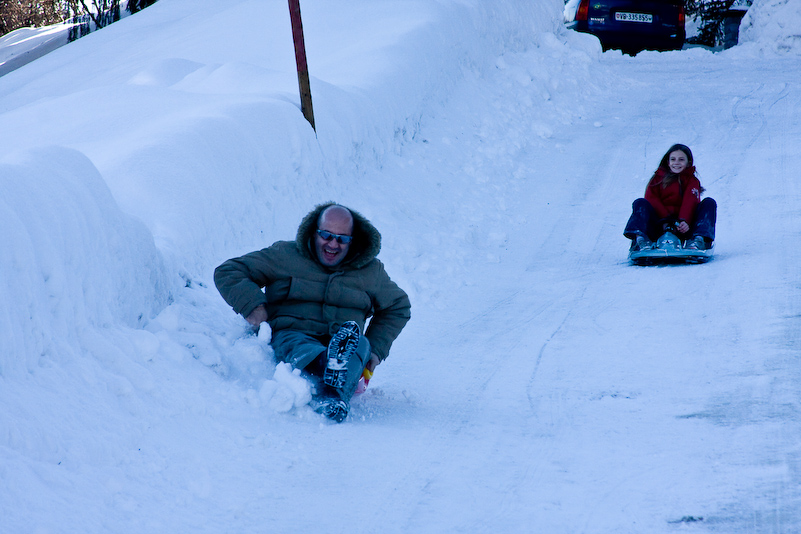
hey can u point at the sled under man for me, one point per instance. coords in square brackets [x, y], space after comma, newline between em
[318, 293]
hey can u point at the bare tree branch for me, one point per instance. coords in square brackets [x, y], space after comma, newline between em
[89, 12]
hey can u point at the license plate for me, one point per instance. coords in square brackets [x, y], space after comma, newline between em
[634, 17]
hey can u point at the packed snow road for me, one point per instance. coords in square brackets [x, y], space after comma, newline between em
[557, 386]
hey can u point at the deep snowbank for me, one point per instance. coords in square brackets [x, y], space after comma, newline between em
[773, 26]
[71, 259]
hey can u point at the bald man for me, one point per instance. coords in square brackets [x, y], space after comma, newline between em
[318, 293]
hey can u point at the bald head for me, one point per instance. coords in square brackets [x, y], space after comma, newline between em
[337, 215]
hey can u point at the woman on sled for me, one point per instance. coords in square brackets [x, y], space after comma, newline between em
[672, 213]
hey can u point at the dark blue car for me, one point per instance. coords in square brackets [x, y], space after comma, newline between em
[633, 25]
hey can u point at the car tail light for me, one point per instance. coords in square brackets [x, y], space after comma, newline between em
[583, 9]
[681, 16]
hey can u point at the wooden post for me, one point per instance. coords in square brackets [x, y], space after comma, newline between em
[300, 59]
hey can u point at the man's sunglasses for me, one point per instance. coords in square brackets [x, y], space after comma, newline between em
[341, 239]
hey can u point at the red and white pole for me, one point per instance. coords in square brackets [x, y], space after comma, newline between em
[300, 59]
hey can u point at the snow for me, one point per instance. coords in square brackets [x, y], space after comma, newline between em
[27, 44]
[24, 45]
[543, 383]
[772, 25]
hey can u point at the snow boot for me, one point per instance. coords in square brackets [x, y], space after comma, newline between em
[696, 243]
[641, 243]
[332, 408]
[340, 349]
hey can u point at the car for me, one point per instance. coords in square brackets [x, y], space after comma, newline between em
[632, 25]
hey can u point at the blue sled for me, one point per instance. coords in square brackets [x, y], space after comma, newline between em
[670, 255]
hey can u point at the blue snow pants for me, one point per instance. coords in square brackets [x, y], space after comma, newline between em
[644, 221]
[303, 351]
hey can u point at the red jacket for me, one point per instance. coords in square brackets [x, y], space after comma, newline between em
[679, 199]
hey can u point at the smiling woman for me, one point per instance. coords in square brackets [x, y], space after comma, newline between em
[632, 25]
[672, 213]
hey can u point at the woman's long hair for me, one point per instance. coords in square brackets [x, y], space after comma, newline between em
[668, 176]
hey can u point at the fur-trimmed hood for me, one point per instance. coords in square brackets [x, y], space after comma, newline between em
[364, 248]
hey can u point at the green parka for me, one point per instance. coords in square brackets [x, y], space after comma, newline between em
[303, 294]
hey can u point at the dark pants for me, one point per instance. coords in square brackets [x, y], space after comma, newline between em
[644, 221]
[306, 352]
